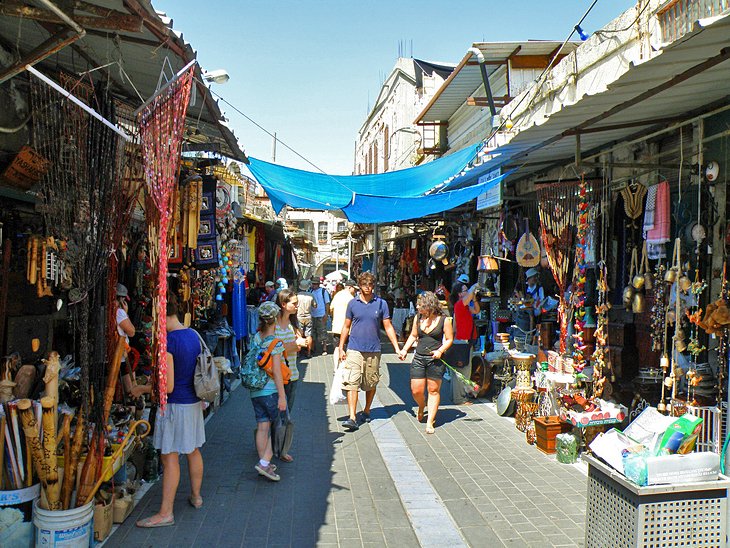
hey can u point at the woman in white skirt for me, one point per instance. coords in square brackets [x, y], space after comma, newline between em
[179, 429]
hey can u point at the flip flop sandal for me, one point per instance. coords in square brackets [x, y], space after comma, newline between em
[286, 458]
[430, 429]
[195, 502]
[150, 522]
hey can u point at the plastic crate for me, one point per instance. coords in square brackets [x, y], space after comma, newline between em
[620, 514]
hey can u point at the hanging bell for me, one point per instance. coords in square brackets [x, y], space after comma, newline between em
[628, 295]
[638, 303]
[661, 407]
[671, 316]
[685, 283]
[670, 276]
[648, 284]
[638, 281]
[668, 381]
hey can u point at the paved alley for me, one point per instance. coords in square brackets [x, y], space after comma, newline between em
[473, 483]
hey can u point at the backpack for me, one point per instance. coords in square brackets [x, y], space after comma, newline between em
[256, 366]
[206, 380]
[266, 363]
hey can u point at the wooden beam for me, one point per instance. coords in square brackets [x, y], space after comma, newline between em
[427, 124]
[625, 125]
[493, 63]
[530, 61]
[116, 21]
[50, 46]
[484, 102]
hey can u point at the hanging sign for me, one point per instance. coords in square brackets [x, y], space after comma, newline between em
[26, 169]
[492, 195]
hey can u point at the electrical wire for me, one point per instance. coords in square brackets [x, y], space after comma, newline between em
[628, 27]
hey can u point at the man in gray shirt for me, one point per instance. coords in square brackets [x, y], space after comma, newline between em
[304, 312]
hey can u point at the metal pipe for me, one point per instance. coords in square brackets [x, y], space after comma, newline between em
[65, 18]
[78, 102]
[485, 78]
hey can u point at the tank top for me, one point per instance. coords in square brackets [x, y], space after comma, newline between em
[431, 340]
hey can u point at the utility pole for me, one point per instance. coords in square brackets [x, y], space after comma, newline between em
[376, 243]
[273, 150]
[349, 252]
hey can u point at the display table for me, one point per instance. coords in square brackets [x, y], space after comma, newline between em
[622, 514]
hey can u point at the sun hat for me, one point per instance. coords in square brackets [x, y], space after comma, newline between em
[268, 311]
[122, 291]
[305, 284]
[351, 283]
[315, 280]
[531, 272]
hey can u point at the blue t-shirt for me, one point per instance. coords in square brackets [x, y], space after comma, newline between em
[322, 298]
[366, 320]
[270, 386]
[184, 345]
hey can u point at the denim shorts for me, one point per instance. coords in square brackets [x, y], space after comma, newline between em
[266, 408]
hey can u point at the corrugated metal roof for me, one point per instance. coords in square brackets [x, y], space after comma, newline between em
[467, 78]
[138, 58]
[686, 78]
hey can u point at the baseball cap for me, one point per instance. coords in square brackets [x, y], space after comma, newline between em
[122, 291]
[268, 311]
[269, 284]
[463, 278]
[531, 272]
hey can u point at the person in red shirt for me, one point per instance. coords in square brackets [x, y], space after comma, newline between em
[465, 305]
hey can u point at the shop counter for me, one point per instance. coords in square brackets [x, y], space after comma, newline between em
[622, 514]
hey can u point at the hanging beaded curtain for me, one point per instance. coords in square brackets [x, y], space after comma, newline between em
[558, 208]
[76, 194]
[161, 125]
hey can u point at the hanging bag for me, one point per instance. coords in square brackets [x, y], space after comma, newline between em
[206, 380]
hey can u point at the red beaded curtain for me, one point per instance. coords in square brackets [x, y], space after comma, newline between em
[558, 207]
[161, 124]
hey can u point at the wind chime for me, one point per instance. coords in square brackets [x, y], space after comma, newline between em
[558, 209]
[161, 121]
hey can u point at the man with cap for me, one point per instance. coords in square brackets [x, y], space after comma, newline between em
[338, 308]
[319, 314]
[533, 299]
[304, 312]
[463, 278]
[126, 329]
[269, 293]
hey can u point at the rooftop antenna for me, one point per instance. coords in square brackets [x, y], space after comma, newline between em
[411, 48]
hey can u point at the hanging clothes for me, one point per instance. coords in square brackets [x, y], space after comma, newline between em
[659, 233]
[260, 256]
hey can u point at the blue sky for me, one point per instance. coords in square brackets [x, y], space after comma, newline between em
[308, 70]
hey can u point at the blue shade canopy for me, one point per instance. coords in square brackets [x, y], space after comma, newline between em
[383, 209]
[308, 190]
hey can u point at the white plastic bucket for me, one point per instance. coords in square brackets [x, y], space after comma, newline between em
[64, 528]
[16, 511]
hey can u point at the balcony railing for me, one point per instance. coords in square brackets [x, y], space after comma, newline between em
[677, 17]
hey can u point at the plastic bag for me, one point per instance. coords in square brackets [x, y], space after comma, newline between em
[282, 435]
[337, 395]
[566, 448]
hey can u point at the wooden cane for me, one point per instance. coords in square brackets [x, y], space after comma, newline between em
[30, 427]
[53, 489]
[53, 366]
[71, 461]
[65, 436]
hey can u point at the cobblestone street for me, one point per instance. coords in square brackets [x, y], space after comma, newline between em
[473, 483]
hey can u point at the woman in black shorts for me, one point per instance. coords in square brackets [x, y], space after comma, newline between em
[434, 334]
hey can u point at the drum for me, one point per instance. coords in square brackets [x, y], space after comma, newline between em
[523, 361]
[482, 374]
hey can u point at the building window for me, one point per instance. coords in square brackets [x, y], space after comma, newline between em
[322, 233]
[341, 226]
[386, 148]
[375, 157]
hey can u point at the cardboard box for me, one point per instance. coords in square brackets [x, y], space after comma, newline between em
[102, 520]
[122, 508]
